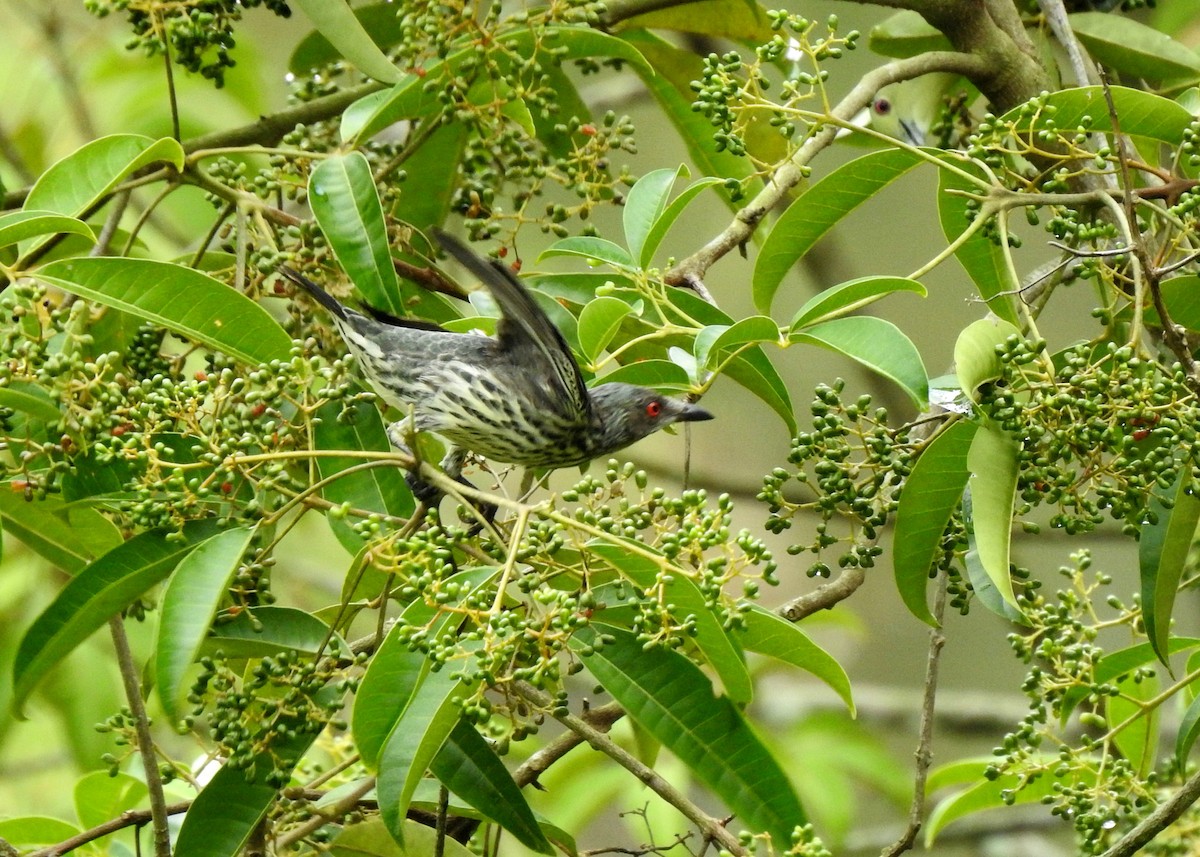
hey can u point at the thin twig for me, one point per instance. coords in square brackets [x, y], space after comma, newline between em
[712, 829]
[129, 818]
[825, 596]
[133, 696]
[924, 753]
[1153, 824]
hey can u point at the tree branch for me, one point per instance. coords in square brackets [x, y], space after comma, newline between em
[1153, 824]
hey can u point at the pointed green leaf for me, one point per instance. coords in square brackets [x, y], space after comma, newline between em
[850, 296]
[381, 22]
[371, 838]
[975, 359]
[818, 210]
[711, 349]
[659, 374]
[1119, 663]
[68, 536]
[982, 259]
[97, 593]
[1137, 741]
[189, 603]
[595, 249]
[644, 204]
[100, 796]
[469, 767]
[267, 631]
[682, 592]
[19, 226]
[659, 229]
[985, 589]
[415, 742]
[33, 830]
[30, 399]
[906, 34]
[877, 344]
[1189, 729]
[407, 100]
[82, 178]
[1163, 549]
[993, 486]
[668, 696]
[1134, 49]
[983, 794]
[768, 633]
[735, 20]
[379, 489]
[931, 494]
[341, 191]
[598, 324]
[335, 20]
[185, 301]
[1141, 114]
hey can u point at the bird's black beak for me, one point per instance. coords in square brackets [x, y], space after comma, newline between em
[693, 414]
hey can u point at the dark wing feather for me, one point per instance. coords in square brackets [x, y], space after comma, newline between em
[524, 327]
[334, 306]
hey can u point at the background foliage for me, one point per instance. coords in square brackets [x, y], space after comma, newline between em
[180, 429]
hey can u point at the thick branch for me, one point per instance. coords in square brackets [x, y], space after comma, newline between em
[1131, 843]
[825, 596]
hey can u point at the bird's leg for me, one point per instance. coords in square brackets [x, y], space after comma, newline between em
[400, 433]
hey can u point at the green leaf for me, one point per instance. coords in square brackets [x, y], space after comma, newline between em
[1163, 549]
[644, 205]
[407, 100]
[1137, 740]
[818, 210]
[993, 486]
[267, 631]
[980, 257]
[229, 808]
[186, 302]
[975, 359]
[666, 220]
[341, 191]
[189, 603]
[100, 797]
[930, 495]
[598, 324]
[670, 84]
[335, 20]
[751, 368]
[371, 838]
[81, 179]
[1142, 114]
[877, 344]
[681, 591]
[1134, 49]
[69, 537]
[768, 633]
[19, 226]
[985, 590]
[714, 341]
[419, 734]
[668, 696]
[906, 34]
[983, 794]
[468, 766]
[379, 489]
[659, 374]
[735, 20]
[97, 593]
[1181, 296]
[593, 249]
[1189, 729]
[1119, 663]
[33, 830]
[36, 401]
[381, 23]
[850, 296]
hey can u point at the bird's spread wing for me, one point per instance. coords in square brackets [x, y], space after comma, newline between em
[524, 328]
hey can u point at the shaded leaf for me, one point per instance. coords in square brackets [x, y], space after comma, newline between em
[906, 34]
[1163, 549]
[975, 359]
[930, 495]
[22, 225]
[598, 324]
[69, 537]
[335, 20]
[189, 603]
[185, 301]
[380, 22]
[589, 248]
[818, 210]
[993, 486]
[768, 633]
[672, 700]
[95, 594]
[341, 191]
[1142, 114]
[877, 344]
[1134, 49]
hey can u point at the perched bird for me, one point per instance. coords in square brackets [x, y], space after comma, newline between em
[518, 398]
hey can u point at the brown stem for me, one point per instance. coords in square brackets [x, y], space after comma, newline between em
[825, 596]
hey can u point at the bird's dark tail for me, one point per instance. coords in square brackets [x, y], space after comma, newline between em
[319, 294]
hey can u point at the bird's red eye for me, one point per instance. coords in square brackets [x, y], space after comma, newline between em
[882, 106]
[654, 409]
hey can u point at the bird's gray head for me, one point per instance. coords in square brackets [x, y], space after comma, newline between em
[626, 413]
